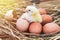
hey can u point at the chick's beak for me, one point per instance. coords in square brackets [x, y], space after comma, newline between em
[25, 10]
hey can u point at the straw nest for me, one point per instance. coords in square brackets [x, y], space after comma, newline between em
[8, 29]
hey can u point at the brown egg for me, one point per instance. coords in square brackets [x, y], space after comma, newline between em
[42, 11]
[22, 25]
[51, 28]
[35, 27]
[47, 18]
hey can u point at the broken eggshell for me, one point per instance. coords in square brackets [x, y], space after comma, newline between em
[11, 15]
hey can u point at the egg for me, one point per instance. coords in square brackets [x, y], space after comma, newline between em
[51, 28]
[35, 27]
[22, 25]
[47, 18]
[42, 11]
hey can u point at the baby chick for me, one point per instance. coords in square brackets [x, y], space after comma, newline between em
[32, 14]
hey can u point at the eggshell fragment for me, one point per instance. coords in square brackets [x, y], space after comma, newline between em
[42, 11]
[11, 15]
[22, 25]
[35, 27]
[47, 18]
[51, 28]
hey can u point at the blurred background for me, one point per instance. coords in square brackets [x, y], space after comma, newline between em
[6, 5]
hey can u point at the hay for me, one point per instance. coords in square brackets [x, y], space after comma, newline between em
[8, 30]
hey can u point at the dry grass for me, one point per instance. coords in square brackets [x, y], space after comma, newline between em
[8, 30]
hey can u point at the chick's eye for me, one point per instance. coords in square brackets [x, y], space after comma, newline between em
[29, 10]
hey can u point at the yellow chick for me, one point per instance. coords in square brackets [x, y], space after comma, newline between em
[32, 14]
